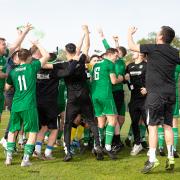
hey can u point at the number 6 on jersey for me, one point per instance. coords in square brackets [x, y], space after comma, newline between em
[96, 73]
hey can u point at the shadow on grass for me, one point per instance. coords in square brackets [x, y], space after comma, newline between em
[176, 170]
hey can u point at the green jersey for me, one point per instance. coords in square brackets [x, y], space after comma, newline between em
[62, 95]
[177, 72]
[23, 79]
[3, 60]
[101, 83]
[120, 68]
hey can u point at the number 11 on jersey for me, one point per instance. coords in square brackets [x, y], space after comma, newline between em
[22, 82]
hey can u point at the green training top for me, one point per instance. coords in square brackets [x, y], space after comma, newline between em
[3, 60]
[23, 78]
[62, 92]
[101, 83]
[177, 72]
[120, 68]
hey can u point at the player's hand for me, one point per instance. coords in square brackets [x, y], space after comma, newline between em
[116, 38]
[120, 78]
[27, 28]
[143, 91]
[19, 31]
[100, 31]
[85, 28]
[132, 30]
[35, 43]
[127, 77]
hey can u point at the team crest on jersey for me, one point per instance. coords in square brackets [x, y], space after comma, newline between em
[141, 66]
[43, 76]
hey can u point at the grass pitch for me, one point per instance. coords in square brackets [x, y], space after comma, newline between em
[85, 166]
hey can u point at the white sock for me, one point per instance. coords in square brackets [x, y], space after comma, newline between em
[24, 136]
[170, 151]
[108, 147]
[9, 155]
[38, 147]
[152, 154]
[48, 150]
[20, 139]
[26, 157]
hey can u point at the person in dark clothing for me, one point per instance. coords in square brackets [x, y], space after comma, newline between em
[135, 74]
[162, 59]
[78, 98]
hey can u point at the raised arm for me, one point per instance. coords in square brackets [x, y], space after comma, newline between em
[45, 55]
[104, 41]
[20, 38]
[116, 40]
[79, 45]
[132, 45]
[3, 75]
[86, 46]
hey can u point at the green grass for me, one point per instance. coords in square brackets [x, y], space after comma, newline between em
[84, 166]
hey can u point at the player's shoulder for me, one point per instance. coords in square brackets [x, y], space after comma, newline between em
[59, 61]
[120, 62]
[131, 64]
[144, 62]
[175, 50]
[108, 62]
[35, 61]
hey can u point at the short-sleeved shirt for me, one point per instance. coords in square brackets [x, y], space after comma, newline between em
[119, 70]
[137, 74]
[3, 61]
[23, 78]
[76, 82]
[161, 63]
[47, 87]
[101, 83]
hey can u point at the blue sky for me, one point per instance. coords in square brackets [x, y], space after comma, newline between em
[61, 20]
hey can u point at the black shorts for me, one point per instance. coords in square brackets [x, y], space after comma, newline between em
[48, 116]
[79, 103]
[119, 100]
[160, 109]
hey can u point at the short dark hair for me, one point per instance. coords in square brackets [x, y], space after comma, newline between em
[2, 39]
[123, 50]
[93, 56]
[102, 55]
[33, 49]
[111, 51]
[70, 48]
[53, 56]
[24, 54]
[168, 34]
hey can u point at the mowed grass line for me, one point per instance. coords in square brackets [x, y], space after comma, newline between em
[85, 166]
